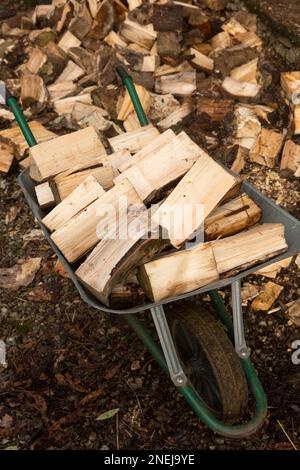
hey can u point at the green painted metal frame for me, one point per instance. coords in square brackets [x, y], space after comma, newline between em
[190, 395]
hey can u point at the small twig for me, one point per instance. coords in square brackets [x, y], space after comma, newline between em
[286, 434]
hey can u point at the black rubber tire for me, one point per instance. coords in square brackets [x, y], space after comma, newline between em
[227, 375]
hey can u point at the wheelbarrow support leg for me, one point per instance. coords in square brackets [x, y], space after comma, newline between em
[162, 327]
[238, 324]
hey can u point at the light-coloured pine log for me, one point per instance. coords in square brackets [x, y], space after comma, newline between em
[34, 93]
[68, 40]
[150, 149]
[232, 217]
[141, 35]
[221, 41]
[240, 159]
[132, 4]
[290, 159]
[119, 159]
[68, 8]
[181, 84]
[15, 136]
[82, 233]
[60, 154]
[72, 72]
[166, 69]
[112, 260]
[233, 27]
[290, 82]
[152, 174]
[267, 147]
[265, 300]
[61, 90]
[66, 105]
[176, 116]
[86, 193]
[37, 59]
[248, 127]
[196, 195]
[201, 60]
[94, 7]
[246, 249]
[149, 63]
[246, 72]
[67, 181]
[44, 195]
[132, 122]
[247, 90]
[135, 140]
[7, 153]
[126, 106]
[114, 40]
[178, 273]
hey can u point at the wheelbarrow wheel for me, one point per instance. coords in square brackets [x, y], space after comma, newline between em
[209, 361]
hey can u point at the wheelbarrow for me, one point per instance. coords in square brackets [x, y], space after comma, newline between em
[208, 366]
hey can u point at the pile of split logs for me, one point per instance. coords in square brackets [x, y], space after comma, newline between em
[196, 72]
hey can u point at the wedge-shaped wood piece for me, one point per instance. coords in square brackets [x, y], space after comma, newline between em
[246, 249]
[201, 60]
[7, 153]
[34, 93]
[114, 40]
[216, 109]
[249, 39]
[267, 147]
[80, 234]
[44, 195]
[72, 72]
[232, 217]
[60, 90]
[135, 140]
[246, 72]
[178, 273]
[272, 270]
[66, 105]
[112, 260]
[132, 122]
[233, 27]
[247, 125]
[290, 82]
[67, 181]
[127, 107]
[142, 35]
[149, 149]
[15, 136]
[246, 90]
[176, 116]
[193, 199]
[158, 171]
[265, 300]
[68, 40]
[86, 193]
[240, 155]
[221, 41]
[290, 159]
[60, 154]
[181, 84]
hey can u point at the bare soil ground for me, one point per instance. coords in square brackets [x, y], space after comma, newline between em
[67, 363]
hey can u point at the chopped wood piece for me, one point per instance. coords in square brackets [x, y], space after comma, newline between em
[290, 82]
[273, 269]
[221, 41]
[227, 59]
[297, 120]
[157, 171]
[197, 194]
[216, 109]
[176, 116]
[233, 27]
[44, 195]
[293, 312]
[249, 39]
[59, 154]
[7, 153]
[202, 61]
[290, 159]
[240, 159]
[37, 59]
[21, 274]
[246, 249]
[86, 193]
[132, 122]
[127, 107]
[167, 17]
[68, 40]
[216, 5]
[82, 233]
[34, 94]
[83, 58]
[168, 44]
[149, 63]
[15, 136]
[94, 7]
[104, 20]
[150, 149]
[180, 84]
[81, 24]
[141, 35]
[135, 140]
[266, 148]
[246, 72]
[232, 217]
[61, 90]
[67, 181]
[241, 89]
[132, 4]
[114, 40]
[117, 159]
[166, 69]
[248, 127]
[66, 105]
[265, 300]
[178, 273]
[72, 72]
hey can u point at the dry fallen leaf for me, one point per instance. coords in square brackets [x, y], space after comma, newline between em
[21, 274]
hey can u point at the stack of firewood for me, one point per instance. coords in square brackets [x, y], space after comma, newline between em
[196, 72]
